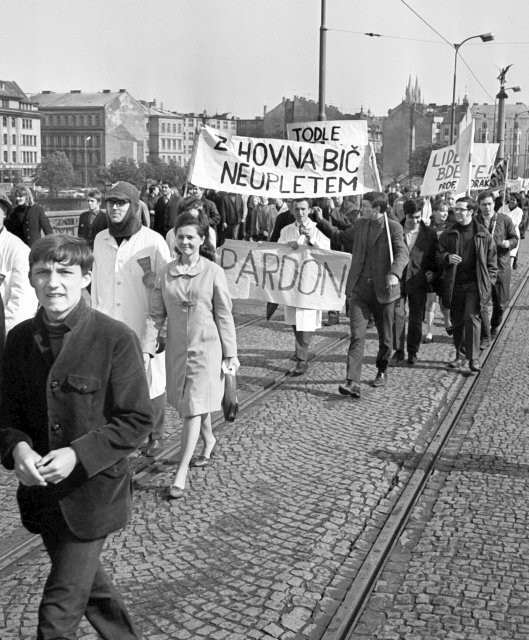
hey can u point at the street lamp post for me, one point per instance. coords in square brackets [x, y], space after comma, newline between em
[86, 141]
[485, 37]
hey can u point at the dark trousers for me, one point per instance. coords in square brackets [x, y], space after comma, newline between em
[303, 340]
[465, 313]
[501, 292]
[362, 304]
[232, 232]
[77, 585]
[158, 414]
[416, 311]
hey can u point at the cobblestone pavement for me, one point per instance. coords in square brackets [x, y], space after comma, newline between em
[461, 567]
[267, 539]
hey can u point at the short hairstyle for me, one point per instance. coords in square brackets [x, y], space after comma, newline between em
[168, 183]
[472, 205]
[62, 248]
[201, 224]
[410, 207]
[377, 199]
[96, 194]
[307, 200]
[22, 190]
[485, 194]
[439, 204]
[191, 202]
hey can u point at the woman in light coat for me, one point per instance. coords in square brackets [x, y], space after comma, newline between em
[192, 293]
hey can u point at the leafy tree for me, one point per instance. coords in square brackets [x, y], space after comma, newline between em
[419, 159]
[156, 169]
[55, 172]
[124, 169]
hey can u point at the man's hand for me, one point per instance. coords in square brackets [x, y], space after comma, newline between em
[318, 213]
[26, 460]
[505, 244]
[429, 276]
[293, 244]
[453, 258]
[392, 281]
[57, 464]
[305, 232]
[160, 344]
[224, 225]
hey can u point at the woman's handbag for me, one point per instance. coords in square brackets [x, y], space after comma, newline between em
[230, 406]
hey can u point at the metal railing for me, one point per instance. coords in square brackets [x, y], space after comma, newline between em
[64, 221]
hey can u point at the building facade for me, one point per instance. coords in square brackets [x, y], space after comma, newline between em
[413, 124]
[92, 129]
[515, 136]
[20, 134]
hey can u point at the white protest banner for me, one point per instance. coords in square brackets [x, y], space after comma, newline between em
[464, 150]
[498, 176]
[345, 133]
[276, 168]
[444, 171]
[329, 132]
[306, 277]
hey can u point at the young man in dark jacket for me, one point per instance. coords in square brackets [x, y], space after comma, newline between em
[467, 257]
[418, 273]
[74, 405]
[501, 228]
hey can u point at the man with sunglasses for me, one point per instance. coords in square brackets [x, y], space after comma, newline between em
[467, 255]
[127, 258]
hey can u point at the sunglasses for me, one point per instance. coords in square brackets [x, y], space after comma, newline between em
[117, 203]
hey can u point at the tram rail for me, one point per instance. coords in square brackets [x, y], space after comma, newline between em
[342, 626]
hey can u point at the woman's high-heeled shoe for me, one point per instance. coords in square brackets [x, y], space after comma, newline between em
[202, 461]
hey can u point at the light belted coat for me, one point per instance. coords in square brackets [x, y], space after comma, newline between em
[200, 333]
[118, 289]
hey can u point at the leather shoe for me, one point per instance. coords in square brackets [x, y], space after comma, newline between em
[493, 334]
[427, 339]
[449, 330]
[457, 363]
[484, 344]
[412, 359]
[380, 380]
[175, 492]
[202, 461]
[350, 388]
[474, 366]
[397, 358]
[300, 369]
[154, 447]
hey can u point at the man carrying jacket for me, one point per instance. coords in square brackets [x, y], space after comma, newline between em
[75, 404]
[467, 256]
[372, 284]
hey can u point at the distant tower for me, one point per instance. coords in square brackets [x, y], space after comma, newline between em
[413, 93]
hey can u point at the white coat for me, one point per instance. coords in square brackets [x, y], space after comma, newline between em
[304, 319]
[118, 289]
[20, 301]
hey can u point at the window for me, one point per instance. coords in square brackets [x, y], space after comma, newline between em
[174, 128]
[4, 121]
[14, 153]
[5, 138]
[5, 157]
[14, 137]
[163, 127]
[13, 122]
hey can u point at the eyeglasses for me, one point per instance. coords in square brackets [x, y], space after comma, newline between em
[460, 209]
[116, 203]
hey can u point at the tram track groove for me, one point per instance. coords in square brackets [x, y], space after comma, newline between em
[343, 623]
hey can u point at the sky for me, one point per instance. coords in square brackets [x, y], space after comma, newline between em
[237, 56]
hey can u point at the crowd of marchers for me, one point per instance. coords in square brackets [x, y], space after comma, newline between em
[134, 312]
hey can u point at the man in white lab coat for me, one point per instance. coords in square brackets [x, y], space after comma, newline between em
[127, 258]
[303, 321]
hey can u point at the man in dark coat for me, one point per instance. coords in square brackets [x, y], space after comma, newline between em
[28, 220]
[419, 272]
[166, 209]
[231, 210]
[210, 208]
[75, 404]
[372, 284]
[467, 257]
[501, 228]
[94, 220]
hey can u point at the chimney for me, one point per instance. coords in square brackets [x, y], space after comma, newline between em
[75, 91]
[264, 110]
[122, 90]
[46, 93]
[106, 90]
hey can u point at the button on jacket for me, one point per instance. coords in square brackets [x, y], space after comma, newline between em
[94, 398]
